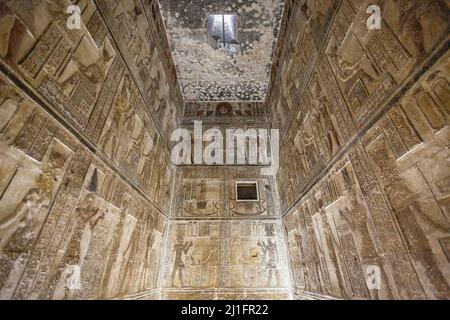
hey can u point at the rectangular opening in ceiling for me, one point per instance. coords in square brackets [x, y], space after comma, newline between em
[222, 31]
[247, 191]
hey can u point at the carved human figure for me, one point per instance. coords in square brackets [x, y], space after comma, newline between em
[112, 141]
[48, 179]
[19, 230]
[144, 66]
[408, 211]
[127, 21]
[330, 243]
[310, 147]
[165, 194]
[301, 260]
[270, 252]
[149, 242]
[120, 248]
[412, 14]
[136, 149]
[180, 248]
[57, 9]
[131, 254]
[299, 155]
[92, 74]
[162, 181]
[17, 237]
[356, 217]
[108, 276]
[322, 120]
[87, 216]
[349, 71]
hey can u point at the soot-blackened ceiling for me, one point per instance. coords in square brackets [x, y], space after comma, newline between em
[207, 74]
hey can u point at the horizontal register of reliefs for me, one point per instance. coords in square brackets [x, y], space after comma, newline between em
[232, 149]
[74, 224]
[218, 248]
[385, 200]
[225, 255]
[81, 75]
[70, 227]
[78, 71]
[139, 31]
[225, 112]
[91, 206]
[201, 194]
[334, 74]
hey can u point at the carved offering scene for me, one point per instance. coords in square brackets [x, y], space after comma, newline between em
[224, 150]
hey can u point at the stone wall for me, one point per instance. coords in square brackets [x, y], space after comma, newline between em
[364, 178]
[91, 206]
[218, 248]
[85, 175]
[225, 112]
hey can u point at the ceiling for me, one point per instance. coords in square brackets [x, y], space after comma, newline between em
[207, 74]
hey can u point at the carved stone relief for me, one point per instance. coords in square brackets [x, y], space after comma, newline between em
[382, 205]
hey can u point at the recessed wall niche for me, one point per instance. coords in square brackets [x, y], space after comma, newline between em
[247, 191]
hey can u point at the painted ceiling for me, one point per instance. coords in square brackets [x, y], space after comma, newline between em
[208, 74]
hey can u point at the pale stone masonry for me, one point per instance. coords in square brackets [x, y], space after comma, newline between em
[92, 207]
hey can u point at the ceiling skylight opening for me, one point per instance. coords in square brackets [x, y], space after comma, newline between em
[222, 32]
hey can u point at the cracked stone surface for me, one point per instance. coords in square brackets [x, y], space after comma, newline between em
[207, 74]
